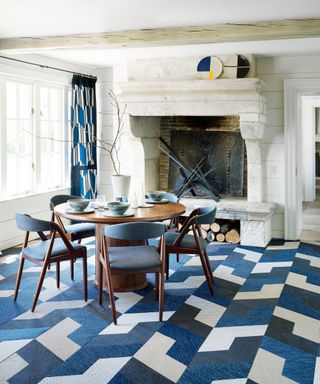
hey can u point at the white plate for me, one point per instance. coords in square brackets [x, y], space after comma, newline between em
[87, 210]
[126, 214]
[145, 205]
[163, 201]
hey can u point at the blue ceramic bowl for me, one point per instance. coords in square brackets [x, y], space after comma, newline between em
[117, 207]
[78, 204]
[155, 195]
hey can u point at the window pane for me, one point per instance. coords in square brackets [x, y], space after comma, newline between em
[11, 98]
[11, 136]
[55, 104]
[44, 103]
[19, 158]
[52, 149]
[19, 140]
[24, 101]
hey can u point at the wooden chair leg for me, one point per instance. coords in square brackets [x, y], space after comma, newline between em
[85, 277]
[161, 295]
[19, 274]
[167, 266]
[111, 296]
[156, 275]
[72, 269]
[100, 278]
[209, 266]
[58, 273]
[205, 270]
[42, 276]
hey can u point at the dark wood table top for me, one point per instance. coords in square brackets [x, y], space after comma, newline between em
[158, 212]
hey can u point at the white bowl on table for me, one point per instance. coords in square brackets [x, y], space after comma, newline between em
[78, 205]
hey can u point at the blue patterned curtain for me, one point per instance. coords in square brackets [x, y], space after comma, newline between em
[84, 128]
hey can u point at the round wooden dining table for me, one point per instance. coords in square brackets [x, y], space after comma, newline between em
[156, 212]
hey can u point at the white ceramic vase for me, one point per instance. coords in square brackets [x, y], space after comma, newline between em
[120, 186]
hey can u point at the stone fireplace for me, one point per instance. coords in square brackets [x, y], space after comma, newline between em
[148, 101]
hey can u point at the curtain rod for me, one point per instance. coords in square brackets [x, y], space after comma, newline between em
[47, 66]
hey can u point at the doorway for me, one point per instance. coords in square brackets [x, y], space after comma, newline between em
[311, 168]
[300, 181]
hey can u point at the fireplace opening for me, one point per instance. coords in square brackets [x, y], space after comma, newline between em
[211, 143]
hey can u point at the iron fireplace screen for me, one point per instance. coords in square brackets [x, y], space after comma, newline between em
[222, 155]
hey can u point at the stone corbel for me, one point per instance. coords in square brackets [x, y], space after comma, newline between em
[252, 131]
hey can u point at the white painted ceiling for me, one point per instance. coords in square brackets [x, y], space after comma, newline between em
[20, 18]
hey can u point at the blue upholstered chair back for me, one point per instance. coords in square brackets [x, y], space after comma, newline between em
[29, 224]
[206, 215]
[135, 231]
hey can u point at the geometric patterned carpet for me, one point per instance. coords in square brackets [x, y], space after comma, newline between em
[261, 326]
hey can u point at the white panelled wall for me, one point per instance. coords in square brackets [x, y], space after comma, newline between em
[105, 130]
[273, 71]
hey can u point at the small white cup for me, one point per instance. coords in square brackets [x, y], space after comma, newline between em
[101, 201]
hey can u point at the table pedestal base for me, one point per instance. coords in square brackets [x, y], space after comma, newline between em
[128, 283]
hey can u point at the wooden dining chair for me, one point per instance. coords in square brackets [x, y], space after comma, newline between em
[184, 242]
[133, 259]
[74, 231]
[49, 250]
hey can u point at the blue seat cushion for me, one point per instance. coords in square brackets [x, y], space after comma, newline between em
[187, 242]
[134, 258]
[81, 230]
[38, 251]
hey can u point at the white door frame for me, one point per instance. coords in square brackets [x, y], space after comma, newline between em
[309, 105]
[294, 90]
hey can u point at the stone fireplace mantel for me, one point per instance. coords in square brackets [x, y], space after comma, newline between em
[147, 100]
[225, 97]
[136, 87]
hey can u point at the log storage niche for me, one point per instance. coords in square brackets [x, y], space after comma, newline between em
[222, 231]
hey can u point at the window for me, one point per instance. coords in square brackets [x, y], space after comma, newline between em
[34, 137]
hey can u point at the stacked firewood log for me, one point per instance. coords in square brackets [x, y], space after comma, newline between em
[222, 231]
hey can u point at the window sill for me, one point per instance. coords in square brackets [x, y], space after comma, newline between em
[48, 192]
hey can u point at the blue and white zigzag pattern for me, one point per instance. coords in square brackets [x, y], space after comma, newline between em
[261, 326]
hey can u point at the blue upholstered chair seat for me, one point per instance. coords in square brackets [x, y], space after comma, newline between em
[81, 230]
[187, 242]
[134, 258]
[38, 251]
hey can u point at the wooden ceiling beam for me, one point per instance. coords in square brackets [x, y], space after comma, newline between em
[220, 33]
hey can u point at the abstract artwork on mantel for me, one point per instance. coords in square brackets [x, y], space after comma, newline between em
[236, 66]
[211, 65]
[232, 66]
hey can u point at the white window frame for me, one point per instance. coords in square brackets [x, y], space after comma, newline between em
[36, 84]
